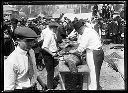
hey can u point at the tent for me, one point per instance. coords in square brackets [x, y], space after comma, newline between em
[31, 18]
[71, 16]
[41, 15]
[56, 15]
[22, 14]
[8, 8]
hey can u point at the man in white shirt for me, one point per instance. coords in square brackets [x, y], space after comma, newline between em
[91, 43]
[49, 49]
[20, 71]
[96, 26]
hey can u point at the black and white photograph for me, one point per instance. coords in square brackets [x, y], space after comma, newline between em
[64, 45]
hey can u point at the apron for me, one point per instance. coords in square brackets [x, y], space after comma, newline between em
[90, 62]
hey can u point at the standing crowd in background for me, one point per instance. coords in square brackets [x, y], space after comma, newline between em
[40, 38]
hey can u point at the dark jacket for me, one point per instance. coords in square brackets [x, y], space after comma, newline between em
[61, 34]
[36, 29]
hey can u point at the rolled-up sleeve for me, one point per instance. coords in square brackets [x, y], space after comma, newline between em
[83, 43]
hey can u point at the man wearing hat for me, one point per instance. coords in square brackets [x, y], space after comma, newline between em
[62, 33]
[96, 25]
[91, 43]
[77, 25]
[20, 71]
[14, 23]
[49, 50]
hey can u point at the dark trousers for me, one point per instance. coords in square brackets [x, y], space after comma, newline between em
[50, 63]
[98, 56]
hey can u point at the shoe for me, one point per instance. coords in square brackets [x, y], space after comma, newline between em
[99, 88]
[56, 81]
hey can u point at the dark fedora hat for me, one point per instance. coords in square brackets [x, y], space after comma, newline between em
[14, 21]
[53, 24]
[77, 25]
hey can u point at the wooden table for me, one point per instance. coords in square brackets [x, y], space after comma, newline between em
[83, 71]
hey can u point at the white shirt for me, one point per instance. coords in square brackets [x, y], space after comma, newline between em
[79, 38]
[89, 39]
[16, 68]
[48, 38]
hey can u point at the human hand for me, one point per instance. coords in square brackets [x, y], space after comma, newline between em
[55, 54]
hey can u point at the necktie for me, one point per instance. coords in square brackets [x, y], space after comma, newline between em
[55, 36]
[30, 67]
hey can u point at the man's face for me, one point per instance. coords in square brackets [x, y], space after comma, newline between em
[26, 44]
[80, 31]
[54, 29]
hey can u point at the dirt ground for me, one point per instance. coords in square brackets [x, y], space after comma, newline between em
[109, 78]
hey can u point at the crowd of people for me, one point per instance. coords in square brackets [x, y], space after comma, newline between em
[112, 26]
[30, 41]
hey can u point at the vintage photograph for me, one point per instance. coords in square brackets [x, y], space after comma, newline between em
[64, 46]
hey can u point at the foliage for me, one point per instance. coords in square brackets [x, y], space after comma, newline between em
[48, 10]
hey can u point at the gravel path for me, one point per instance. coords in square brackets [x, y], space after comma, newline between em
[109, 79]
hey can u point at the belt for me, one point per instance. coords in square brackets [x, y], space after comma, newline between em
[100, 48]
